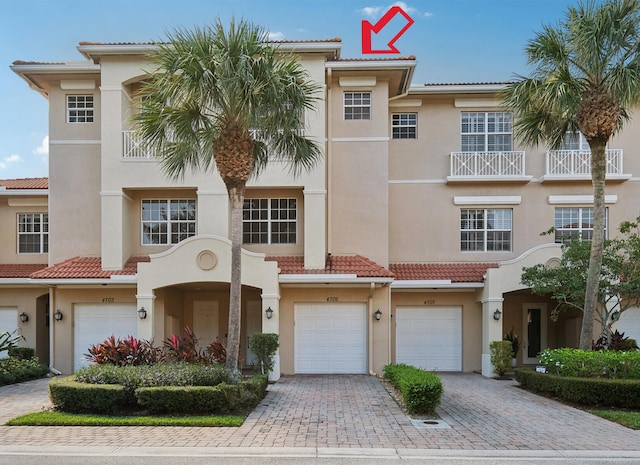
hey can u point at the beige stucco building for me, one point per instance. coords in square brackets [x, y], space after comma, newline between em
[405, 244]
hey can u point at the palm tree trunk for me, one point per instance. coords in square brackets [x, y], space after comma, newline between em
[598, 174]
[236, 198]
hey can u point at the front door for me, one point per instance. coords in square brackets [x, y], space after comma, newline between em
[535, 332]
[205, 322]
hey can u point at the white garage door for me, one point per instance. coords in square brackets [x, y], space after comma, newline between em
[8, 323]
[96, 322]
[429, 337]
[330, 338]
[629, 323]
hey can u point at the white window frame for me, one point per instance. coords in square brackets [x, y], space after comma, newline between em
[577, 228]
[80, 108]
[404, 126]
[574, 140]
[357, 105]
[263, 218]
[477, 222]
[490, 129]
[173, 231]
[37, 228]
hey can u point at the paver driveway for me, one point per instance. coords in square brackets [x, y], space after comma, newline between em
[344, 411]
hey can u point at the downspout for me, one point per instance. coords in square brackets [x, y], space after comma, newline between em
[389, 326]
[52, 330]
[328, 120]
[371, 321]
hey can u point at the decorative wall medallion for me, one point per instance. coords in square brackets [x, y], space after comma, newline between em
[207, 260]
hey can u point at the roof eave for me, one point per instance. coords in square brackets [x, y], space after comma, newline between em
[456, 88]
[433, 284]
[330, 279]
[120, 279]
[29, 71]
[24, 192]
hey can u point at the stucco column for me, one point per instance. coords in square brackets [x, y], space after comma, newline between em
[209, 202]
[146, 325]
[491, 331]
[315, 228]
[272, 325]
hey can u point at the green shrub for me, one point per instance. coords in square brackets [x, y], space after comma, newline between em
[68, 395]
[239, 398]
[16, 370]
[264, 346]
[421, 390]
[162, 374]
[588, 364]
[22, 353]
[501, 355]
[624, 393]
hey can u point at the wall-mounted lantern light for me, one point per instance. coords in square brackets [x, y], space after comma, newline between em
[497, 314]
[24, 317]
[269, 313]
[58, 315]
[615, 316]
[377, 315]
[142, 313]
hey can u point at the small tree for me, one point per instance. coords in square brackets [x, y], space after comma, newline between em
[9, 340]
[501, 355]
[619, 286]
[264, 346]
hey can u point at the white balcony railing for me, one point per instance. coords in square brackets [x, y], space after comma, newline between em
[133, 149]
[487, 165]
[577, 163]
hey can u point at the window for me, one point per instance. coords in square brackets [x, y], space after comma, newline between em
[404, 125]
[33, 233]
[486, 132]
[79, 108]
[576, 223]
[269, 221]
[574, 140]
[485, 230]
[357, 105]
[168, 221]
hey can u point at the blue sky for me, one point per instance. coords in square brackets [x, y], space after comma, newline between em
[453, 41]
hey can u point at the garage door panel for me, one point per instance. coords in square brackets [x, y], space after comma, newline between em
[93, 323]
[429, 337]
[629, 323]
[330, 338]
[8, 323]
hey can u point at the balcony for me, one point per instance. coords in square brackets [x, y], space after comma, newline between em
[133, 149]
[488, 166]
[575, 165]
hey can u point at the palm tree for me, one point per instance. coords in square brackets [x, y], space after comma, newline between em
[586, 77]
[224, 99]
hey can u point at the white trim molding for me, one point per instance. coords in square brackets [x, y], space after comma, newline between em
[579, 199]
[487, 200]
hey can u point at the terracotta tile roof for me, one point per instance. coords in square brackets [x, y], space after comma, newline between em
[336, 264]
[25, 183]
[23, 62]
[87, 268]
[315, 41]
[456, 272]
[20, 270]
[436, 84]
[357, 60]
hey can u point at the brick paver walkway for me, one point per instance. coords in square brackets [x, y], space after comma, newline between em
[351, 412]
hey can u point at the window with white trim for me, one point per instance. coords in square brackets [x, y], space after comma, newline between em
[404, 125]
[79, 108]
[269, 221]
[357, 105]
[576, 223]
[485, 230]
[486, 131]
[167, 221]
[574, 140]
[33, 233]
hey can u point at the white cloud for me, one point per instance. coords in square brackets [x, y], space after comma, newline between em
[43, 149]
[276, 35]
[376, 11]
[427, 14]
[9, 160]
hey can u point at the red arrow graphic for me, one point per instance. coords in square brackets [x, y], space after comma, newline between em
[369, 29]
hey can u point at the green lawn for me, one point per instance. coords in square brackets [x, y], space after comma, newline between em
[70, 419]
[628, 419]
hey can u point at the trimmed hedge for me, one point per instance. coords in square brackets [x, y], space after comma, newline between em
[239, 398]
[421, 390]
[623, 393]
[577, 363]
[69, 395]
[17, 370]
